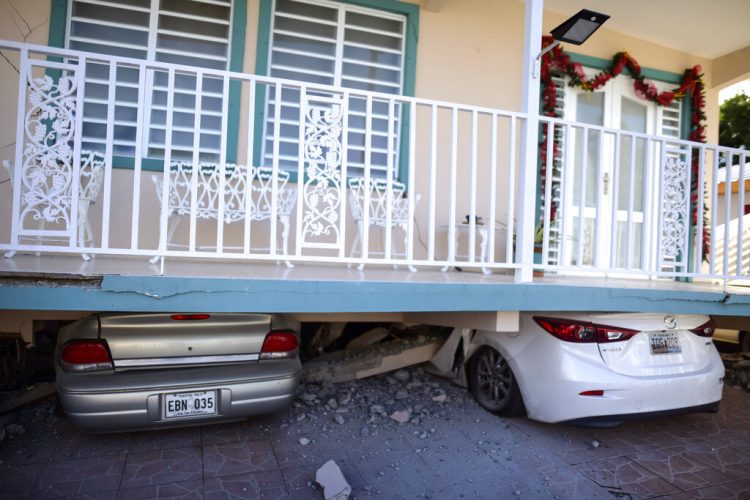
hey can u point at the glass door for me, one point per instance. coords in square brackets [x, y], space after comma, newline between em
[598, 186]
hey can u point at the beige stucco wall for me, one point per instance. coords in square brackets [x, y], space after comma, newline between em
[469, 52]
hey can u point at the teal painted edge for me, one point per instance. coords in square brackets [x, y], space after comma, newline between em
[236, 58]
[411, 11]
[57, 18]
[56, 35]
[154, 293]
[262, 54]
[648, 73]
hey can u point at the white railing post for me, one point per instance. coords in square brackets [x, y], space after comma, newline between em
[529, 151]
[16, 223]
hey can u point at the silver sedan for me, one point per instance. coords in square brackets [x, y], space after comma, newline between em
[120, 372]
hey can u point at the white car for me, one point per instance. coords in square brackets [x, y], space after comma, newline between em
[593, 368]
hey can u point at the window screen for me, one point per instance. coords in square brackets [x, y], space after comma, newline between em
[343, 45]
[188, 32]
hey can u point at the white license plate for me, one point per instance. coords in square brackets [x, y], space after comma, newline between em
[664, 343]
[188, 404]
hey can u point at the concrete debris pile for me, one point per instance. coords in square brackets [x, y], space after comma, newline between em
[737, 367]
[409, 401]
[410, 397]
[39, 420]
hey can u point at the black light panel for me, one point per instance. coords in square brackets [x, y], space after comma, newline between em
[579, 27]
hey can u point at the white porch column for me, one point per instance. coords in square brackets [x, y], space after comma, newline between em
[530, 145]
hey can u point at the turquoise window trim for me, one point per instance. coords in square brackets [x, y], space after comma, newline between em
[56, 38]
[409, 10]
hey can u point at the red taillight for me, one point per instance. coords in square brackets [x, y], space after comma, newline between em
[85, 356]
[190, 317]
[706, 329]
[596, 392]
[279, 344]
[583, 331]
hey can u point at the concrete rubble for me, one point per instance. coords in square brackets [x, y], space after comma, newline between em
[737, 367]
[366, 361]
[330, 477]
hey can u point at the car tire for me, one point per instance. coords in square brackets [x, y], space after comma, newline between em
[493, 384]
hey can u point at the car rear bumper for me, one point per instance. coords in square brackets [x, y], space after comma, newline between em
[129, 408]
[623, 394]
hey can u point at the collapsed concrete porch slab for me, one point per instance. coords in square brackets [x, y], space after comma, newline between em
[65, 283]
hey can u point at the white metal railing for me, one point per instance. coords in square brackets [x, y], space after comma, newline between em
[625, 203]
[618, 203]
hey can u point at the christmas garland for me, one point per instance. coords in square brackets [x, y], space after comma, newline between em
[556, 61]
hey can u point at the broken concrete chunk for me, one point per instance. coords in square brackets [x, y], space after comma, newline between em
[440, 398]
[401, 416]
[304, 441]
[326, 335]
[368, 338]
[339, 419]
[377, 410]
[351, 364]
[402, 376]
[402, 394]
[332, 480]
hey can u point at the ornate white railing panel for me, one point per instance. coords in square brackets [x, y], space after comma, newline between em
[47, 155]
[321, 168]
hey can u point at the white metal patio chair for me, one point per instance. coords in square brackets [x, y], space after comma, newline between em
[240, 181]
[378, 211]
[91, 177]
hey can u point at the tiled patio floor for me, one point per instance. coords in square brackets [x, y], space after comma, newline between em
[448, 450]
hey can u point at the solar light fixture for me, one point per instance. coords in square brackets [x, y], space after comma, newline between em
[580, 27]
[575, 30]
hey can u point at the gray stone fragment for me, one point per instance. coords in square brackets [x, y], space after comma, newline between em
[402, 394]
[401, 416]
[402, 376]
[304, 441]
[335, 486]
[377, 410]
[339, 419]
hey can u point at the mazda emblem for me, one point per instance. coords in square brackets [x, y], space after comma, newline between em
[670, 323]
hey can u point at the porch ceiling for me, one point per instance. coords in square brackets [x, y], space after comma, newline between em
[53, 282]
[706, 29]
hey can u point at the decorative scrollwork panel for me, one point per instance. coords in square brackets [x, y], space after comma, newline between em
[323, 186]
[674, 206]
[46, 171]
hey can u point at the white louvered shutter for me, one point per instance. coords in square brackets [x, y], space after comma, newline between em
[189, 32]
[335, 44]
[554, 230]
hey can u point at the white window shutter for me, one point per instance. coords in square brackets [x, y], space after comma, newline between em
[190, 32]
[336, 44]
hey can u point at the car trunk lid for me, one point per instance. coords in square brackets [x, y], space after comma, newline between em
[664, 345]
[140, 341]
